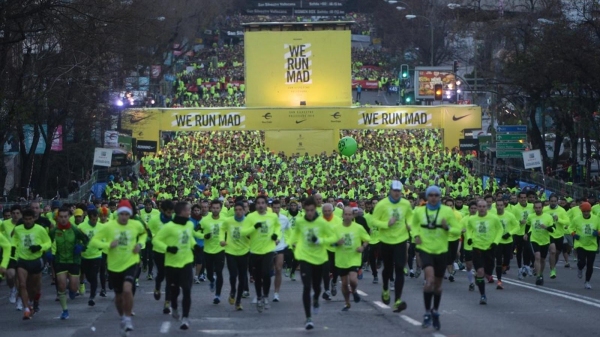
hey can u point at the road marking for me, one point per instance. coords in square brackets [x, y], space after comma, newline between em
[586, 298]
[247, 332]
[410, 320]
[165, 327]
[381, 305]
[438, 335]
[362, 293]
[570, 296]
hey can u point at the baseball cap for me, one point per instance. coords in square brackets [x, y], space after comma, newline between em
[585, 207]
[78, 212]
[396, 185]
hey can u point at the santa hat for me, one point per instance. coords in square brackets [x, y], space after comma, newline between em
[125, 207]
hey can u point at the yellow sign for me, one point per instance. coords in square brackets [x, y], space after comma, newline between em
[145, 124]
[298, 68]
[313, 142]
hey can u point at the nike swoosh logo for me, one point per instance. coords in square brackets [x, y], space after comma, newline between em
[137, 120]
[298, 122]
[454, 118]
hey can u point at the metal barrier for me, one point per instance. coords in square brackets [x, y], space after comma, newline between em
[507, 173]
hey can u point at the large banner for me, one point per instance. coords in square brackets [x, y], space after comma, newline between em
[146, 124]
[427, 77]
[298, 68]
[313, 142]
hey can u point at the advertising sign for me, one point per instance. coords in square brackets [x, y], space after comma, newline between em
[427, 77]
[102, 157]
[532, 159]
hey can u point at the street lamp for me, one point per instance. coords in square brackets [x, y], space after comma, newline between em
[412, 16]
[400, 8]
[453, 6]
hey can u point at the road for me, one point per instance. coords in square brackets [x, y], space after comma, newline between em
[562, 307]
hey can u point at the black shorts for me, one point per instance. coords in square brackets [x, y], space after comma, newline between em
[12, 264]
[468, 255]
[70, 268]
[118, 278]
[345, 271]
[31, 266]
[558, 243]
[198, 254]
[542, 249]
[437, 261]
[452, 251]
[485, 259]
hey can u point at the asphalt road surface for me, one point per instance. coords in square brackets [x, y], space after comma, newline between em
[562, 307]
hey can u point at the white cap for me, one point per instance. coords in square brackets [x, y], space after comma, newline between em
[396, 185]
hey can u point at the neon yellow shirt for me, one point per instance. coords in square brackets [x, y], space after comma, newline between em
[384, 211]
[208, 225]
[354, 235]
[180, 236]
[434, 239]
[484, 230]
[121, 257]
[260, 239]
[23, 238]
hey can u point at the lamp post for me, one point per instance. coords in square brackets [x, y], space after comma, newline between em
[412, 16]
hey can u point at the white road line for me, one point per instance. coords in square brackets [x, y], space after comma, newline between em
[570, 296]
[381, 305]
[362, 293]
[438, 335]
[247, 332]
[410, 320]
[165, 327]
[586, 298]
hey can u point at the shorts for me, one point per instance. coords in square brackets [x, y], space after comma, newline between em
[568, 240]
[452, 251]
[485, 259]
[558, 243]
[542, 249]
[345, 271]
[12, 264]
[31, 266]
[70, 268]
[468, 255]
[117, 279]
[198, 254]
[437, 261]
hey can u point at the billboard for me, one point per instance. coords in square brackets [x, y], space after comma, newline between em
[313, 142]
[298, 68]
[427, 77]
[103, 157]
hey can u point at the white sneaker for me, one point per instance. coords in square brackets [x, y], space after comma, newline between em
[588, 285]
[392, 288]
[12, 298]
[276, 297]
[196, 281]
[266, 303]
[19, 304]
[254, 300]
[529, 271]
[185, 324]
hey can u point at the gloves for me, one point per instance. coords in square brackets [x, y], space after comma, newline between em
[314, 239]
[594, 233]
[274, 237]
[35, 248]
[257, 225]
[576, 236]
[470, 241]
[78, 249]
[207, 236]
[49, 256]
[506, 236]
[174, 249]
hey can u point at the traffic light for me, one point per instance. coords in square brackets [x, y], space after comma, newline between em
[438, 92]
[404, 71]
[455, 67]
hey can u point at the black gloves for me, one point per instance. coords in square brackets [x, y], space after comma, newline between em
[257, 225]
[506, 236]
[172, 249]
[274, 237]
[470, 241]
[207, 236]
[35, 248]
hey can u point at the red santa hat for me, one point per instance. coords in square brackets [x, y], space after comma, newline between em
[125, 207]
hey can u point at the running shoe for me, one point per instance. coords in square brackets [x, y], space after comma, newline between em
[333, 288]
[212, 287]
[436, 320]
[346, 307]
[245, 294]
[19, 304]
[400, 306]
[156, 294]
[175, 314]
[375, 280]
[588, 285]
[472, 287]
[238, 307]
[260, 305]
[149, 277]
[385, 296]
[12, 297]
[567, 265]
[82, 289]
[27, 315]
[553, 273]
[426, 321]
[499, 285]
[356, 297]
[167, 308]
[231, 299]
[316, 305]
[103, 293]
[327, 295]
[185, 323]
[196, 280]
[276, 297]
[216, 300]
[309, 324]
[91, 302]
[539, 281]
[64, 315]
[411, 273]
[359, 274]
[579, 273]
[483, 300]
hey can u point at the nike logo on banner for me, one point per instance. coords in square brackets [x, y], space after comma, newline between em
[298, 122]
[134, 120]
[454, 118]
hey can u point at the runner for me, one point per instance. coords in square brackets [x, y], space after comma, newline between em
[311, 235]
[155, 224]
[281, 249]
[521, 211]
[237, 248]
[147, 213]
[504, 250]
[561, 220]
[453, 242]
[293, 214]
[352, 241]
[6, 229]
[585, 229]
[91, 258]
[214, 252]
[30, 241]
[330, 274]
[68, 244]
[540, 225]
[431, 228]
[484, 232]
[199, 247]
[177, 239]
[392, 215]
[262, 244]
[123, 239]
